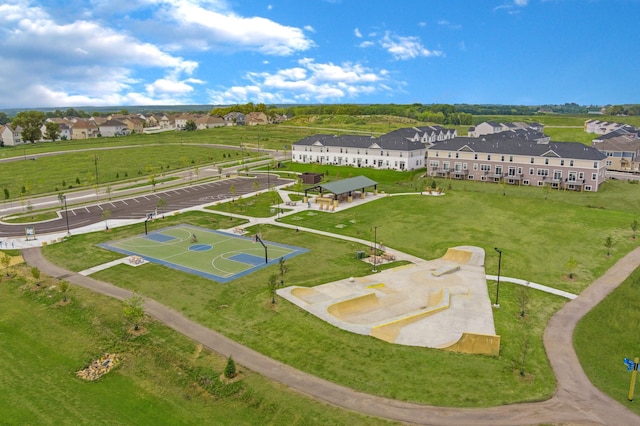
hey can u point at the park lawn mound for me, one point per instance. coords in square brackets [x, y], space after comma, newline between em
[99, 367]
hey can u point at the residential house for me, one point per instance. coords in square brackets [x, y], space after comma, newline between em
[493, 127]
[164, 122]
[234, 119]
[397, 153]
[134, 124]
[518, 161]
[180, 121]
[84, 129]
[209, 122]
[112, 128]
[428, 135]
[622, 148]
[256, 118]
[11, 136]
[601, 127]
[64, 127]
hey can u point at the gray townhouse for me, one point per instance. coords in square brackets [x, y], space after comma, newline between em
[518, 161]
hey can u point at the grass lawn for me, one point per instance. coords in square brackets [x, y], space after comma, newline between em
[607, 335]
[260, 205]
[243, 311]
[163, 378]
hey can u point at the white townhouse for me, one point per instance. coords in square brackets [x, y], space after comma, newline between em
[11, 136]
[493, 127]
[395, 153]
[516, 161]
[601, 127]
[112, 128]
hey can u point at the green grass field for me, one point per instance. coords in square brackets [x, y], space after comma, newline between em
[538, 232]
[163, 379]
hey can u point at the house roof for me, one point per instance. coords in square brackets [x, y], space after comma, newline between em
[396, 143]
[344, 186]
[520, 146]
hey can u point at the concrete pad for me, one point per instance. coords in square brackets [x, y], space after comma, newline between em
[412, 305]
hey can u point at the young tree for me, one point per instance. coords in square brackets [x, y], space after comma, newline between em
[273, 286]
[64, 288]
[523, 298]
[161, 204]
[35, 273]
[232, 191]
[608, 243]
[284, 268]
[634, 227]
[230, 369]
[133, 310]
[571, 266]
[6, 262]
[106, 214]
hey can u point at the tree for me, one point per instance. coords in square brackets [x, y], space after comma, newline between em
[608, 243]
[190, 126]
[35, 273]
[523, 298]
[106, 214]
[571, 266]
[31, 123]
[6, 194]
[64, 288]
[133, 310]
[634, 227]
[161, 204]
[6, 262]
[230, 369]
[232, 191]
[284, 268]
[273, 286]
[52, 131]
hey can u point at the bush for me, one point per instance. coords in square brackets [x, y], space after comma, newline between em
[230, 369]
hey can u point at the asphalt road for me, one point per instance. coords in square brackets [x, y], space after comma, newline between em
[137, 207]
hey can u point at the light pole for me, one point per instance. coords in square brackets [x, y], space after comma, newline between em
[497, 305]
[66, 213]
[375, 248]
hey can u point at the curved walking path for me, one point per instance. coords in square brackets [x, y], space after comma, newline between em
[576, 400]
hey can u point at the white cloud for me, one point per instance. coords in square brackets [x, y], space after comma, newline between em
[308, 82]
[402, 48]
[367, 44]
[218, 27]
[357, 33]
[74, 63]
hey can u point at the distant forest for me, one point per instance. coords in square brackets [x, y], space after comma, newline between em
[458, 114]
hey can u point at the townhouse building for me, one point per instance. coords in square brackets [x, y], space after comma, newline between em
[360, 151]
[518, 161]
[11, 136]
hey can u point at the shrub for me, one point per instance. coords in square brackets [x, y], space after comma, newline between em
[230, 369]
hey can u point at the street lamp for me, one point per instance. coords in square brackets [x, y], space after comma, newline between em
[66, 213]
[497, 305]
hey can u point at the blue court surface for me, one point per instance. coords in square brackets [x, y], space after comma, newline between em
[216, 255]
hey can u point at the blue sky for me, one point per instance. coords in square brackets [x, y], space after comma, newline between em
[163, 52]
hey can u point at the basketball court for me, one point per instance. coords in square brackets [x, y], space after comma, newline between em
[216, 255]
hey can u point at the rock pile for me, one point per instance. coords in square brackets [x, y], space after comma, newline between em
[99, 367]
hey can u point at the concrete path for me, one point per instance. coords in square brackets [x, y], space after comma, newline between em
[576, 400]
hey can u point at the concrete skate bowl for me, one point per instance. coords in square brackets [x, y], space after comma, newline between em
[441, 303]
